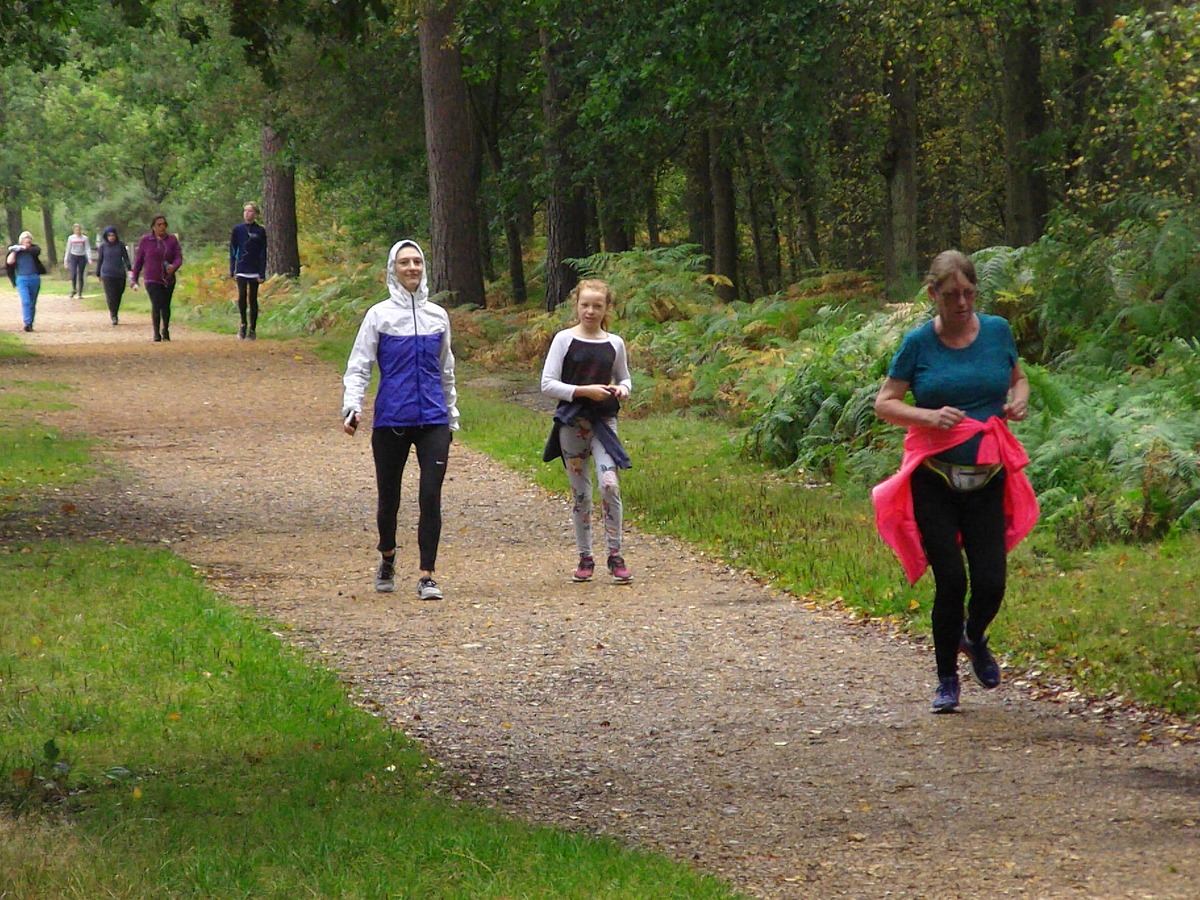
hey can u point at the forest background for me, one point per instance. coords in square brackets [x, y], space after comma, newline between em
[762, 185]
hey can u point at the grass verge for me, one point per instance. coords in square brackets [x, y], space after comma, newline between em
[31, 454]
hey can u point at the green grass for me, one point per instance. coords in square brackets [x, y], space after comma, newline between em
[196, 757]
[32, 454]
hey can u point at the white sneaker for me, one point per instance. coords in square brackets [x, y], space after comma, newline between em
[427, 589]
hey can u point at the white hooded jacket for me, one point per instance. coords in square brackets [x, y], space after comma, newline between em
[408, 336]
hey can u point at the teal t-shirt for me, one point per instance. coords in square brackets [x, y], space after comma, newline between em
[974, 379]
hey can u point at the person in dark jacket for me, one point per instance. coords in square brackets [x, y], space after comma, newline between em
[248, 264]
[112, 268]
[25, 270]
[408, 336]
[159, 257]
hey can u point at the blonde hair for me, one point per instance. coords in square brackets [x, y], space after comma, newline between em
[253, 206]
[23, 235]
[593, 284]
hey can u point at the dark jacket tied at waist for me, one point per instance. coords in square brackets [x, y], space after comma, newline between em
[569, 414]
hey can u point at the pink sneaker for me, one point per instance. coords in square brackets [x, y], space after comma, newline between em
[587, 568]
[616, 566]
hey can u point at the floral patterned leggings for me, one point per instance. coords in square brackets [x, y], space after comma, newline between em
[578, 443]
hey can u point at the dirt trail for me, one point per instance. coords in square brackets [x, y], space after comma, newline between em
[788, 750]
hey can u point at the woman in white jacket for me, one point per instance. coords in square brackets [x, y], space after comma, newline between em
[408, 336]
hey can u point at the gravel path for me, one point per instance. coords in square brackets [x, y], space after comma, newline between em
[787, 749]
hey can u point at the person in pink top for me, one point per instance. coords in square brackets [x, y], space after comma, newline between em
[961, 489]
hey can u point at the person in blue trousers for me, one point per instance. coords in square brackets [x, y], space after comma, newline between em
[25, 270]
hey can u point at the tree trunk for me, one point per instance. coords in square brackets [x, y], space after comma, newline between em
[698, 194]
[516, 265]
[724, 213]
[653, 235]
[1027, 203]
[566, 207]
[452, 151]
[1091, 20]
[511, 211]
[613, 231]
[48, 229]
[16, 223]
[279, 206]
[899, 169]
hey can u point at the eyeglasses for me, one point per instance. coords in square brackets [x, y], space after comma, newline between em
[965, 294]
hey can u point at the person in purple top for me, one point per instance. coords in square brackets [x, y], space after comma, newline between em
[156, 261]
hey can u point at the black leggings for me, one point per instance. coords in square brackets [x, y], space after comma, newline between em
[160, 305]
[78, 266]
[114, 289]
[391, 446]
[942, 516]
[248, 296]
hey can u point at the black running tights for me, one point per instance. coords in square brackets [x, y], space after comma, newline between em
[160, 305]
[942, 516]
[248, 297]
[114, 288]
[391, 447]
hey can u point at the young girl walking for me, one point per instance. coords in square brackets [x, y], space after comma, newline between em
[587, 372]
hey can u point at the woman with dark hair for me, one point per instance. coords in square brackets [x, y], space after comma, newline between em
[156, 261]
[112, 268]
[961, 489]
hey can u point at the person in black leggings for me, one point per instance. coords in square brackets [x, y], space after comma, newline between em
[156, 261]
[408, 337]
[112, 268]
[248, 266]
[962, 479]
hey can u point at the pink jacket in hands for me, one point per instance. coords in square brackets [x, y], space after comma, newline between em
[893, 497]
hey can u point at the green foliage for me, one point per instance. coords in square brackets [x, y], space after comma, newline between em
[1146, 119]
[1119, 463]
[822, 420]
[653, 286]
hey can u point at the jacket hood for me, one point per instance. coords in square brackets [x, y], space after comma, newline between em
[111, 229]
[397, 291]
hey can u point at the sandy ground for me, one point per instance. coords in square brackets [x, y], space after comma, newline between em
[786, 749]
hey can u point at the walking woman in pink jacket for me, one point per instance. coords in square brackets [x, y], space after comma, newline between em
[961, 489]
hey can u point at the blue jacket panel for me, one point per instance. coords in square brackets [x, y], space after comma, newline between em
[410, 381]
